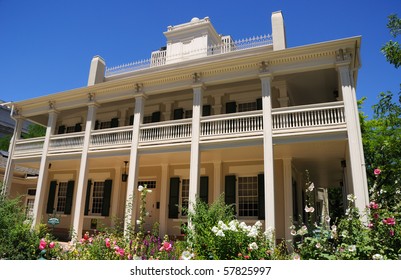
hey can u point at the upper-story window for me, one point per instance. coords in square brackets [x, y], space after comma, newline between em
[245, 107]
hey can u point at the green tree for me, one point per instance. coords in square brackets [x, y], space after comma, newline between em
[34, 130]
[382, 134]
[392, 49]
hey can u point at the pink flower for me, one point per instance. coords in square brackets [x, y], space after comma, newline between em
[246, 257]
[51, 245]
[166, 247]
[107, 242]
[376, 216]
[370, 225]
[86, 235]
[391, 232]
[389, 221]
[377, 171]
[373, 205]
[42, 244]
[119, 251]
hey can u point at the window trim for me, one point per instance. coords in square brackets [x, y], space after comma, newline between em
[237, 199]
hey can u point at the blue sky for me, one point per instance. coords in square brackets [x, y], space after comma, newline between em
[46, 45]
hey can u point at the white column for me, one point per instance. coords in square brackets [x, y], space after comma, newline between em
[9, 172]
[194, 171]
[130, 207]
[43, 171]
[78, 219]
[217, 180]
[163, 199]
[359, 180]
[268, 151]
[288, 211]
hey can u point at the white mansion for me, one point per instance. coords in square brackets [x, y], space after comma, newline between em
[205, 116]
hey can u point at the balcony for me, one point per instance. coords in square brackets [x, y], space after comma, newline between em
[289, 121]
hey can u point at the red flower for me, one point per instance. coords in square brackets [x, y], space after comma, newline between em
[86, 236]
[377, 171]
[389, 221]
[373, 205]
[42, 244]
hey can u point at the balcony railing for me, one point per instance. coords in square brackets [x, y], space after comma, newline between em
[162, 57]
[292, 120]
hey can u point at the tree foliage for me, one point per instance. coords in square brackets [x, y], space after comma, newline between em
[34, 130]
[392, 49]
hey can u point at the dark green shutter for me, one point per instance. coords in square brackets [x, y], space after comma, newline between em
[206, 110]
[204, 189]
[78, 127]
[88, 196]
[52, 195]
[69, 196]
[261, 196]
[114, 122]
[178, 114]
[173, 199]
[156, 116]
[131, 120]
[61, 129]
[106, 197]
[259, 104]
[231, 107]
[229, 190]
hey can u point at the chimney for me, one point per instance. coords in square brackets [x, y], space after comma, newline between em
[278, 31]
[96, 72]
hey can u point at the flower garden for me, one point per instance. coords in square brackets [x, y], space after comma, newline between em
[216, 234]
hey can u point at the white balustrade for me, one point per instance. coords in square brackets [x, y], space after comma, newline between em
[232, 125]
[111, 137]
[315, 115]
[169, 131]
[69, 141]
[159, 58]
[29, 146]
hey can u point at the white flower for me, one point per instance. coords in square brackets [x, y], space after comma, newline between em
[303, 230]
[311, 187]
[138, 222]
[140, 188]
[344, 233]
[233, 223]
[186, 255]
[147, 214]
[269, 232]
[293, 232]
[215, 229]
[352, 248]
[351, 197]
[309, 209]
[149, 191]
[258, 224]
[243, 226]
[220, 233]
[377, 257]
[253, 246]
[253, 232]
[233, 228]
[327, 218]
[318, 245]
[222, 225]
[334, 228]
[296, 257]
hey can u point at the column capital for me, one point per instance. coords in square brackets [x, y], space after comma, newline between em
[141, 95]
[199, 85]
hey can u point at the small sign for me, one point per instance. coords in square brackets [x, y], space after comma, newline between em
[53, 221]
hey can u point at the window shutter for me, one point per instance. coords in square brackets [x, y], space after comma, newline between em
[204, 189]
[61, 129]
[114, 122]
[231, 107]
[88, 196]
[173, 199]
[52, 195]
[259, 104]
[178, 114]
[106, 197]
[131, 120]
[156, 116]
[97, 124]
[69, 196]
[206, 110]
[78, 127]
[261, 196]
[229, 190]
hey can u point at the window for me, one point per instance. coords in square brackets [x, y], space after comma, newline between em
[61, 197]
[70, 129]
[248, 196]
[184, 196]
[148, 184]
[97, 197]
[188, 114]
[104, 125]
[147, 119]
[30, 201]
[245, 107]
